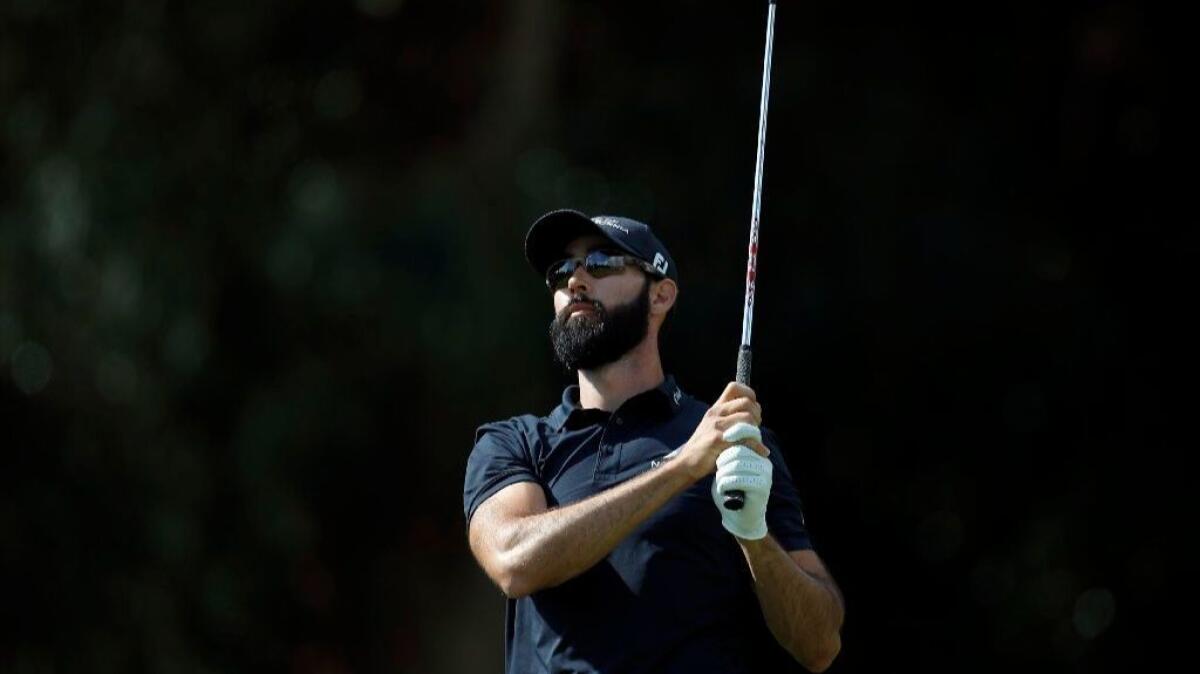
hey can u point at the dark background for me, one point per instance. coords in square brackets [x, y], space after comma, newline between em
[261, 278]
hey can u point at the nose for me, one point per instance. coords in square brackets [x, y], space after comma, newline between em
[579, 280]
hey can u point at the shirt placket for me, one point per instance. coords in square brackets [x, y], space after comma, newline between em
[608, 455]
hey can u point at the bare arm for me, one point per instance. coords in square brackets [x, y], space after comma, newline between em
[524, 547]
[801, 603]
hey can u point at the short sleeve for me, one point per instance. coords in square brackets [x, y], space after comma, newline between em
[500, 457]
[785, 513]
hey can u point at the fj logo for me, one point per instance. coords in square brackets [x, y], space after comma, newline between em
[660, 263]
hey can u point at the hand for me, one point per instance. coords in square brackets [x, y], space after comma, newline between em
[737, 404]
[742, 469]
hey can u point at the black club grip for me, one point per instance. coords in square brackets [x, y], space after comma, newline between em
[743, 365]
[735, 499]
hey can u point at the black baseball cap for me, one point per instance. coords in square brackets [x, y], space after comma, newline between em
[550, 234]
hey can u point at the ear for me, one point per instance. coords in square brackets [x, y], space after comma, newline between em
[662, 296]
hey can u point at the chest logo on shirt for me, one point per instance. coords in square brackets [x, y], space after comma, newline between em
[662, 459]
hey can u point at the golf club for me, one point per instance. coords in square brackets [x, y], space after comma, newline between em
[734, 499]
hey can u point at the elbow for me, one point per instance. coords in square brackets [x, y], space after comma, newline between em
[820, 659]
[822, 655]
[517, 584]
[513, 584]
[513, 576]
[507, 561]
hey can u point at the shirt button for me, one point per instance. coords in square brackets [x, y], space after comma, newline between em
[620, 421]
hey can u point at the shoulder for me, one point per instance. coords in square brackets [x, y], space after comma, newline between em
[514, 432]
[512, 426]
[504, 454]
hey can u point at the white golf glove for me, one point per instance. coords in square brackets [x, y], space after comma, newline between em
[740, 467]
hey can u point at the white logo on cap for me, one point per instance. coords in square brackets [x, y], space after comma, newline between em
[660, 263]
[610, 222]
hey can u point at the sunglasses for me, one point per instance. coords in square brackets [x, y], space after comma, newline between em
[598, 264]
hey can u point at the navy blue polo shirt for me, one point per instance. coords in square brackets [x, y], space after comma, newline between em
[676, 595]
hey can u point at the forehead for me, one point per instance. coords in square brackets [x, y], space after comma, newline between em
[585, 244]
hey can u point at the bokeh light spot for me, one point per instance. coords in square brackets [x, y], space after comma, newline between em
[316, 194]
[121, 285]
[32, 367]
[1095, 610]
[63, 203]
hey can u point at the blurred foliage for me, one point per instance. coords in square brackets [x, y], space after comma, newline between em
[260, 278]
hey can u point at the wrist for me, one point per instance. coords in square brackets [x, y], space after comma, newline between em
[753, 546]
[679, 471]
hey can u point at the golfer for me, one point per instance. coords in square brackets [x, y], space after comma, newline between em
[602, 522]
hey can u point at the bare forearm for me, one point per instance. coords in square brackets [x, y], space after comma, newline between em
[548, 548]
[804, 612]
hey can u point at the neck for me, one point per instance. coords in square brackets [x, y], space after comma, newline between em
[609, 386]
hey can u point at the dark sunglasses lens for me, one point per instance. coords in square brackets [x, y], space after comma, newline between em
[559, 272]
[600, 263]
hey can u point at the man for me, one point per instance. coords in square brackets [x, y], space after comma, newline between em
[603, 521]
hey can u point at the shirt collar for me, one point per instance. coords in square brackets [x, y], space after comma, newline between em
[666, 397]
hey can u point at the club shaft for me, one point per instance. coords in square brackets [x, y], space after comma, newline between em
[756, 209]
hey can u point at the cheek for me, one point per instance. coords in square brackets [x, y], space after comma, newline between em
[560, 302]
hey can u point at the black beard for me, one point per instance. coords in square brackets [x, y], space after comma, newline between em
[592, 340]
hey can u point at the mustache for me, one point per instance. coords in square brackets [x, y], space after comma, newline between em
[579, 299]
